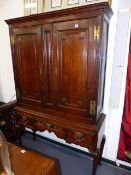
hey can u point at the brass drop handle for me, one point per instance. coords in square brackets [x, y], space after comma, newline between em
[49, 125]
[78, 135]
[24, 119]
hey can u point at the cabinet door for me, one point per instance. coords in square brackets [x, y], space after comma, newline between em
[28, 66]
[74, 55]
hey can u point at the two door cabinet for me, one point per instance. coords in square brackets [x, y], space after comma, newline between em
[59, 62]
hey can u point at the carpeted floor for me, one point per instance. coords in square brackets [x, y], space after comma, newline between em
[71, 162]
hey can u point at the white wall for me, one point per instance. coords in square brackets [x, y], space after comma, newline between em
[113, 103]
[108, 82]
[119, 69]
[8, 9]
[118, 78]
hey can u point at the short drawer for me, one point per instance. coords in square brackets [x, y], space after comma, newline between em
[39, 123]
[44, 124]
[81, 138]
[24, 119]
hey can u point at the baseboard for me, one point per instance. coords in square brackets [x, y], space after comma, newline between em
[78, 150]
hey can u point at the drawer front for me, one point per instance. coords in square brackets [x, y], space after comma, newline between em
[82, 138]
[70, 134]
[51, 126]
[38, 123]
[26, 120]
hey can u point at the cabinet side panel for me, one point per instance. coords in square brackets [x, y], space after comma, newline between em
[102, 67]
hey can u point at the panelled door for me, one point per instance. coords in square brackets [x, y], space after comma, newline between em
[74, 55]
[28, 63]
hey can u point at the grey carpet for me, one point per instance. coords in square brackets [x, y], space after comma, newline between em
[71, 162]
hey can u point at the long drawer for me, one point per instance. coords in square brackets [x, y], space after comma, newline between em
[72, 133]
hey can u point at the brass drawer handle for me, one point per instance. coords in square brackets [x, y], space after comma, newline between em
[23, 118]
[78, 135]
[49, 125]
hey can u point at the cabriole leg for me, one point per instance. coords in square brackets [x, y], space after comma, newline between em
[98, 156]
[101, 148]
[95, 162]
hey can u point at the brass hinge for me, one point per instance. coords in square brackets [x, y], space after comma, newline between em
[96, 33]
[12, 40]
[93, 107]
[110, 2]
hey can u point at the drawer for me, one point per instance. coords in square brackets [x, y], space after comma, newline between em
[25, 120]
[58, 130]
[45, 124]
[81, 138]
[39, 123]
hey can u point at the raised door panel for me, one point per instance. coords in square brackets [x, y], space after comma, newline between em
[28, 58]
[74, 51]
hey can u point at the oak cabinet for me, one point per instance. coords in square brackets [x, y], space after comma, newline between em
[59, 61]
